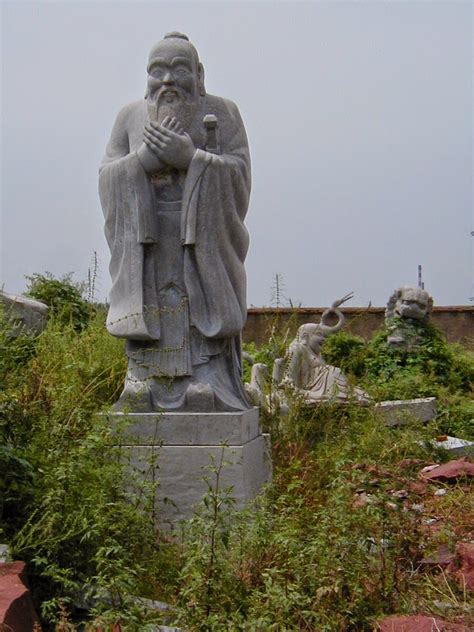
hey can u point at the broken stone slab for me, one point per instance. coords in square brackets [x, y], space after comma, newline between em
[16, 607]
[399, 412]
[453, 445]
[419, 623]
[26, 315]
[462, 566]
[449, 472]
[86, 599]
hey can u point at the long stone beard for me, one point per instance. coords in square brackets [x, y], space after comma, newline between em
[183, 111]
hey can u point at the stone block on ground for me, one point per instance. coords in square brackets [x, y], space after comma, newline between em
[27, 315]
[402, 411]
[440, 560]
[17, 613]
[455, 446]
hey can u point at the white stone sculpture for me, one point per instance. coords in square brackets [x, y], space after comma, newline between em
[303, 374]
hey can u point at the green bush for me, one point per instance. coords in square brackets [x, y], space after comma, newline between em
[66, 507]
[346, 351]
[63, 296]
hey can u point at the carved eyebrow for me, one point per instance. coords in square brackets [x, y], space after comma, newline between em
[180, 60]
[176, 61]
[158, 61]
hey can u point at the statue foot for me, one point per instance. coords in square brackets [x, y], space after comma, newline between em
[135, 398]
[200, 398]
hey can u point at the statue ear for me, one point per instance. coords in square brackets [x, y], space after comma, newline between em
[390, 311]
[202, 89]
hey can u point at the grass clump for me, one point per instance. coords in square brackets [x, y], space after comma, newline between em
[67, 508]
[333, 544]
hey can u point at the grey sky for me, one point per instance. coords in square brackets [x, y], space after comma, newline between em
[359, 117]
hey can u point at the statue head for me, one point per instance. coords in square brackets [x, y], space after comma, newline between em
[409, 302]
[311, 336]
[175, 79]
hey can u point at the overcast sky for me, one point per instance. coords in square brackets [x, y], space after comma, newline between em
[359, 117]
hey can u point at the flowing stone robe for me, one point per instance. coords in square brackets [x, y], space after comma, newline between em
[178, 245]
[315, 381]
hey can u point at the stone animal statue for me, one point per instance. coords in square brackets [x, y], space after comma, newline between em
[408, 311]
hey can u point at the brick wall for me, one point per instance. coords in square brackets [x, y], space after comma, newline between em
[457, 323]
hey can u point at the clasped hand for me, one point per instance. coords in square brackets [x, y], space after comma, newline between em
[170, 143]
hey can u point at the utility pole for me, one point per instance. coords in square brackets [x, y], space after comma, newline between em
[421, 283]
[471, 298]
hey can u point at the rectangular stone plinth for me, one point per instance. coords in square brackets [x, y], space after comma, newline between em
[401, 411]
[180, 470]
[177, 450]
[186, 428]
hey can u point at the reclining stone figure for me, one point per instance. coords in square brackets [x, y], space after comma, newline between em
[304, 374]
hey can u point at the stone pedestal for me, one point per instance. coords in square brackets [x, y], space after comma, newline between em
[176, 450]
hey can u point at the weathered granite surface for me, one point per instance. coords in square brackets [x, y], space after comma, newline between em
[398, 412]
[408, 310]
[27, 315]
[174, 186]
[176, 450]
[187, 429]
[454, 445]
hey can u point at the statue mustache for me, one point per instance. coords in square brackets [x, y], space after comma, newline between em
[157, 96]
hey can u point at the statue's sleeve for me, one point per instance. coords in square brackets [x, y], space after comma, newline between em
[215, 202]
[125, 197]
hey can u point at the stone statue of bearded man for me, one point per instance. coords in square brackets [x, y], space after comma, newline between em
[174, 187]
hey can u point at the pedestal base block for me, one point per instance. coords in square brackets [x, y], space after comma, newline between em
[177, 451]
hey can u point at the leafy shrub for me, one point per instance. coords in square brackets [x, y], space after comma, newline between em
[308, 556]
[346, 351]
[63, 297]
[66, 507]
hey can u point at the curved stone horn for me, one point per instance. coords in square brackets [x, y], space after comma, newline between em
[331, 329]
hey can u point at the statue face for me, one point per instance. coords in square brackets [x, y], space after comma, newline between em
[413, 303]
[313, 338]
[173, 74]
